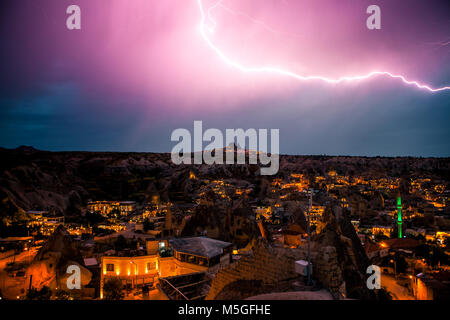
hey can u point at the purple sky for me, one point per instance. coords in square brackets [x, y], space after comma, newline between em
[139, 69]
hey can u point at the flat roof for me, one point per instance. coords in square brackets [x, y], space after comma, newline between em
[200, 246]
[89, 262]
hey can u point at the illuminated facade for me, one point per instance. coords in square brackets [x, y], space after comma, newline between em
[166, 259]
[133, 272]
[124, 208]
[45, 224]
[315, 214]
[382, 230]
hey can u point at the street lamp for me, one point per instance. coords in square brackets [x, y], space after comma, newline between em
[395, 268]
[135, 272]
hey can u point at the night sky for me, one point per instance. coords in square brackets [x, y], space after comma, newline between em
[138, 69]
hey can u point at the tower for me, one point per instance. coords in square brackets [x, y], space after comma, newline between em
[399, 216]
[168, 222]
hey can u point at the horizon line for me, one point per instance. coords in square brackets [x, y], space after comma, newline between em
[23, 148]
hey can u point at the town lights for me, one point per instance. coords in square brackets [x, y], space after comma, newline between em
[117, 272]
[135, 268]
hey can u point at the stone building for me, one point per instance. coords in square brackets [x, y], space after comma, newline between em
[166, 258]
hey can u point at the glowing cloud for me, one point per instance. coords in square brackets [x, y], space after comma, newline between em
[206, 16]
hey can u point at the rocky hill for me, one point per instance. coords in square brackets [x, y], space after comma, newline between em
[49, 266]
[63, 182]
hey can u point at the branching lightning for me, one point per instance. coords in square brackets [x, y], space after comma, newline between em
[256, 21]
[205, 30]
[441, 43]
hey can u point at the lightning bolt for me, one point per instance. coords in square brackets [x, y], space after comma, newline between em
[204, 29]
[441, 44]
[256, 21]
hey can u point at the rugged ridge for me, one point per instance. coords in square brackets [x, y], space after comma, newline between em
[49, 266]
[63, 182]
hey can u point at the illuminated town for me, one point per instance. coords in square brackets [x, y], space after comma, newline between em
[220, 159]
[158, 232]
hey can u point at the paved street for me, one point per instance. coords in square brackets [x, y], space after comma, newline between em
[398, 292]
[25, 256]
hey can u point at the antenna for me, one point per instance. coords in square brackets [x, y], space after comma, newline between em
[309, 236]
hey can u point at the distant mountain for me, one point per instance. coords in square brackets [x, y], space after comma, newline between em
[63, 182]
[26, 149]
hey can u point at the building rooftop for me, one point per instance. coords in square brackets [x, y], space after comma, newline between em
[90, 262]
[371, 247]
[193, 286]
[200, 246]
[404, 243]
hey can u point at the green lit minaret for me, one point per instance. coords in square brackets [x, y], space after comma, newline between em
[399, 216]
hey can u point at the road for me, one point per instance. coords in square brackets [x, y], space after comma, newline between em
[11, 286]
[25, 256]
[397, 291]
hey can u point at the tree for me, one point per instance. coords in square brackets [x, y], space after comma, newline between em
[148, 225]
[93, 218]
[166, 252]
[380, 237]
[418, 237]
[446, 243]
[112, 290]
[114, 213]
[384, 295]
[44, 294]
[400, 263]
[432, 254]
[62, 295]
[121, 243]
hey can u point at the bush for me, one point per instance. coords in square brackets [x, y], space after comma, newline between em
[121, 243]
[44, 294]
[112, 289]
[62, 295]
[432, 254]
[148, 225]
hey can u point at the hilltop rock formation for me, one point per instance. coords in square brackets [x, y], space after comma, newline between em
[49, 266]
[338, 258]
[63, 182]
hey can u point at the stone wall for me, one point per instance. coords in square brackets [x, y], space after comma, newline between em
[272, 265]
[326, 267]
